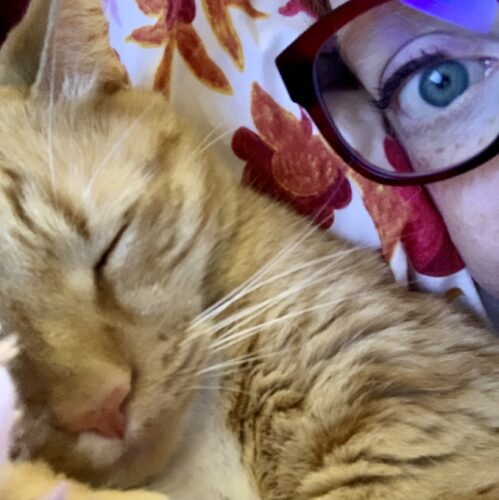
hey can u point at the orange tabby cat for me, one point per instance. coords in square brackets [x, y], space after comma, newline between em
[181, 332]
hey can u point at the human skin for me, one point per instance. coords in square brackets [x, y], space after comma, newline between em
[468, 203]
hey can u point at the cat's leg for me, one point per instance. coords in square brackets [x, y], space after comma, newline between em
[399, 441]
[416, 456]
[386, 419]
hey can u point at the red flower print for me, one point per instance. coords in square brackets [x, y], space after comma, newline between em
[286, 161]
[409, 215]
[294, 7]
[388, 211]
[223, 28]
[425, 236]
[174, 30]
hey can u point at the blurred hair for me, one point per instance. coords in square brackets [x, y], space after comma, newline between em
[319, 7]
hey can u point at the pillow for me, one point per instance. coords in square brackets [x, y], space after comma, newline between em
[214, 60]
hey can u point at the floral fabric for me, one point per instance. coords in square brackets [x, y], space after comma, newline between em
[214, 60]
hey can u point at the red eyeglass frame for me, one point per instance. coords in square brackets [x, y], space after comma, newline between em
[296, 65]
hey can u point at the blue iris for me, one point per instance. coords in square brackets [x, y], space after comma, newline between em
[441, 84]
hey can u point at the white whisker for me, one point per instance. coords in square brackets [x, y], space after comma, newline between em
[266, 304]
[306, 283]
[289, 292]
[235, 362]
[50, 125]
[214, 388]
[241, 290]
[204, 147]
[115, 147]
[209, 136]
[253, 330]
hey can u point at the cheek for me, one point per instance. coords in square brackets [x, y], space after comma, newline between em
[469, 205]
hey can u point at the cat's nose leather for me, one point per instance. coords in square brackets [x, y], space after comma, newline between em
[107, 418]
[104, 415]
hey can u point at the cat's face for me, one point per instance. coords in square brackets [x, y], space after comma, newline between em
[107, 228]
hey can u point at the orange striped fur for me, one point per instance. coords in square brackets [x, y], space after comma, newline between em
[125, 244]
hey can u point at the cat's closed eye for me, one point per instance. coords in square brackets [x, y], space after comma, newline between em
[101, 263]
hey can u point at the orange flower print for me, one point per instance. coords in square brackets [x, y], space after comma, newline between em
[223, 28]
[388, 212]
[174, 30]
[288, 162]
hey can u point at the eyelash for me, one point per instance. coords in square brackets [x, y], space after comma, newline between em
[393, 84]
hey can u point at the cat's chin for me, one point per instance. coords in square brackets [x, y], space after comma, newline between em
[134, 461]
[101, 452]
[114, 463]
[144, 453]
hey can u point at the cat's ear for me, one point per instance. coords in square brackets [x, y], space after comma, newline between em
[21, 51]
[61, 47]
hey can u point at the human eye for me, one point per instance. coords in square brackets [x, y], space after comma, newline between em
[434, 74]
[432, 84]
[438, 94]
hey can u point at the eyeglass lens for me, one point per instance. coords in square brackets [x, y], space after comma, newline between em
[397, 72]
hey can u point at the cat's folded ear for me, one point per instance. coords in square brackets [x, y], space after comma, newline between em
[61, 49]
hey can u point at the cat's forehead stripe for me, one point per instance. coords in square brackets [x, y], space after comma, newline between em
[14, 195]
[74, 217]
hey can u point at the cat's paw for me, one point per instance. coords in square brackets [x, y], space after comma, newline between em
[28, 481]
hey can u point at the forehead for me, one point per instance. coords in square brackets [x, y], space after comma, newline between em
[370, 41]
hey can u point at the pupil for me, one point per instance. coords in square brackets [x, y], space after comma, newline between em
[439, 79]
[441, 84]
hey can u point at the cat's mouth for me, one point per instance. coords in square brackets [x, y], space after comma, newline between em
[101, 451]
[153, 432]
[140, 441]
[124, 443]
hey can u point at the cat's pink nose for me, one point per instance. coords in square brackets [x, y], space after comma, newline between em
[104, 415]
[107, 418]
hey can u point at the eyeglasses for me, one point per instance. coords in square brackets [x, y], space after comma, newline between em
[434, 93]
